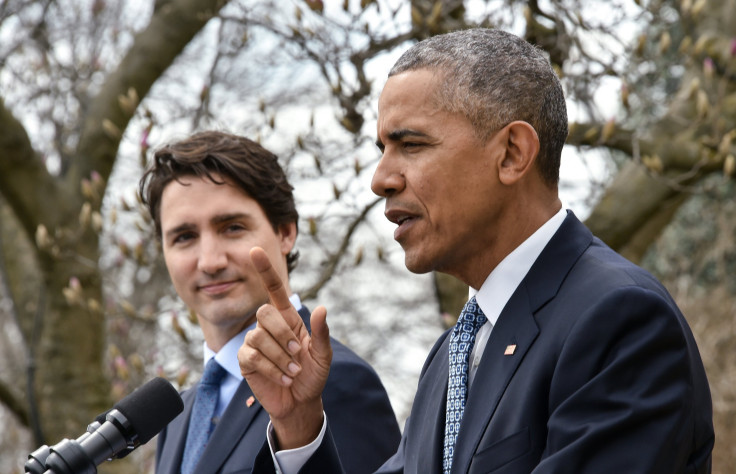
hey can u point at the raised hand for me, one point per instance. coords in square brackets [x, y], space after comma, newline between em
[286, 367]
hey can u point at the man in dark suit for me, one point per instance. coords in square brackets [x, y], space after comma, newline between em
[567, 358]
[213, 197]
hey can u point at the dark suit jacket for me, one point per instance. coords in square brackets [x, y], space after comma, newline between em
[355, 402]
[605, 378]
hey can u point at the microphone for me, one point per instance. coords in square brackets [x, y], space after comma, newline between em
[131, 422]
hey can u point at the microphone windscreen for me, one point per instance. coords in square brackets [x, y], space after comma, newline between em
[151, 407]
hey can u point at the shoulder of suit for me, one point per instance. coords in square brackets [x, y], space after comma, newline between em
[347, 363]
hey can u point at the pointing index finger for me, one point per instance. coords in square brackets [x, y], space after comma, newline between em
[272, 281]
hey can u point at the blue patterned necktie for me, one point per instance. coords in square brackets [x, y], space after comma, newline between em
[461, 344]
[200, 423]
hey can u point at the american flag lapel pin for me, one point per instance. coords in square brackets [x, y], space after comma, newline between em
[250, 401]
[510, 349]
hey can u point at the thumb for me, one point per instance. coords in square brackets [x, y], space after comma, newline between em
[320, 343]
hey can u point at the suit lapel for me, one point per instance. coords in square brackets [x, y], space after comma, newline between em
[517, 327]
[305, 314]
[434, 417]
[173, 449]
[493, 376]
[425, 429]
[234, 423]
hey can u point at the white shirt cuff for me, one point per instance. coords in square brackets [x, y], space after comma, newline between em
[289, 461]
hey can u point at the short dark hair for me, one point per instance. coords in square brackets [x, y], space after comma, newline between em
[494, 78]
[210, 154]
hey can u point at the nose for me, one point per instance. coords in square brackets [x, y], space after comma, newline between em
[212, 255]
[388, 179]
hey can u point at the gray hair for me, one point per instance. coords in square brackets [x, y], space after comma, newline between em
[494, 78]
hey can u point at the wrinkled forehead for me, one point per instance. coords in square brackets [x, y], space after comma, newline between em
[410, 88]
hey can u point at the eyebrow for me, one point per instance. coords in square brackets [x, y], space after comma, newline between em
[218, 219]
[179, 229]
[400, 134]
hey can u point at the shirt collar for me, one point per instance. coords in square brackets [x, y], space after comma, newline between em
[228, 355]
[506, 277]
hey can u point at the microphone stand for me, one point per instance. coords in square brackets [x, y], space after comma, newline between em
[66, 457]
[73, 456]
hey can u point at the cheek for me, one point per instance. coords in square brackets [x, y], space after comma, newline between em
[243, 263]
[435, 186]
[177, 267]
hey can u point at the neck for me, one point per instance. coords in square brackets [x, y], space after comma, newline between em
[518, 222]
[217, 337]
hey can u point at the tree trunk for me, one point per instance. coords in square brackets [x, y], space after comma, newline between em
[55, 214]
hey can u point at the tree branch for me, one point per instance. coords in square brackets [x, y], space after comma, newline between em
[23, 176]
[172, 27]
[593, 134]
[334, 260]
[13, 404]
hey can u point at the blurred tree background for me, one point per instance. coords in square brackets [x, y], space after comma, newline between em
[89, 87]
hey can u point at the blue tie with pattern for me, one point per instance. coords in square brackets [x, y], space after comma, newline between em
[200, 423]
[461, 344]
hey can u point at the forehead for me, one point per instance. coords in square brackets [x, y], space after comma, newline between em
[410, 88]
[191, 194]
[214, 182]
[409, 102]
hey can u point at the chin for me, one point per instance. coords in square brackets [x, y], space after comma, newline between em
[224, 312]
[417, 265]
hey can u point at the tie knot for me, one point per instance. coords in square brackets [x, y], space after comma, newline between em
[472, 317]
[213, 373]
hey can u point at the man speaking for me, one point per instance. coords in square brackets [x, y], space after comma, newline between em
[566, 359]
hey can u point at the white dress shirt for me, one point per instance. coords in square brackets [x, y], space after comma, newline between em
[503, 281]
[491, 297]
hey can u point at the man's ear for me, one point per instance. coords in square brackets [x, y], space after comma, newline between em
[287, 234]
[522, 148]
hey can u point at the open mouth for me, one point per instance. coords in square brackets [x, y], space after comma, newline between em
[402, 218]
[404, 223]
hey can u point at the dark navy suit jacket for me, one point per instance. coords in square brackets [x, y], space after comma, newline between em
[605, 377]
[361, 418]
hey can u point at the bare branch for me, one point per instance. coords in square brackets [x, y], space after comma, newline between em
[13, 404]
[23, 174]
[336, 258]
[171, 28]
